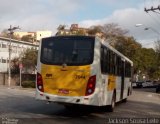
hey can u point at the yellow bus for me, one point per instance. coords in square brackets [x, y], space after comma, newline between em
[82, 70]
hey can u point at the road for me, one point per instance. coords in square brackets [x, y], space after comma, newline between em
[19, 106]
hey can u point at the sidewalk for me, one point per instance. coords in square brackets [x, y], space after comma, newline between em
[16, 87]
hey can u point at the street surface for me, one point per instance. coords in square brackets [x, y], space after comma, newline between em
[19, 106]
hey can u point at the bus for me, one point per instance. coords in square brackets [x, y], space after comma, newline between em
[82, 70]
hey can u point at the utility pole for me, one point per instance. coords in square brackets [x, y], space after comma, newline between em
[152, 9]
[10, 50]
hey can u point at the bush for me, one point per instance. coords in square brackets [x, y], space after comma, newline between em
[28, 84]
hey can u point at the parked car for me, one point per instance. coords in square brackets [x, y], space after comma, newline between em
[148, 83]
[139, 84]
[158, 88]
[134, 84]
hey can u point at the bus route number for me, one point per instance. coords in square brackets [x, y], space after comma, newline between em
[80, 76]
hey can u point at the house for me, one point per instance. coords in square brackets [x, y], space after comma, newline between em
[17, 47]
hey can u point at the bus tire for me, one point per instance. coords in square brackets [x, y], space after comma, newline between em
[110, 108]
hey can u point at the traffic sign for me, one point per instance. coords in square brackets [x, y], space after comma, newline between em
[20, 65]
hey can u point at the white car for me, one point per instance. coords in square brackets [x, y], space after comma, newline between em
[147, 84]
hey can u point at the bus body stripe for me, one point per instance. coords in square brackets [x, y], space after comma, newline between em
[111, 82]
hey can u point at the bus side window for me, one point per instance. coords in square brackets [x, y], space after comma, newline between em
[108, 61]
[102, 59]
[128, 69]
[119, 66]
[105, 59]
[116, 65]
[113, 63]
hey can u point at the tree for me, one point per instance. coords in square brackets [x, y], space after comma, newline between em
[28, 38]
[147, 61]
[113, 30]
[6, 34]
[93, 30]
[127, 46]
[61, 30]
[157, 49]
[110, 32]
[29, 59]
[15, 66]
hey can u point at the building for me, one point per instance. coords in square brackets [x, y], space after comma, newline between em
[21, 34]
[41, 34]
[17, 47]
[36, 36]
[73, 30]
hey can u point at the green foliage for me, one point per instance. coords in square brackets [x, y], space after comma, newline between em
[29, 58]
[5, 34]
[127, 46]
[15, 66]
[145, 60]
[157, 48]
[27, 38]
[28, 84]
[94, 29]
[112, 30]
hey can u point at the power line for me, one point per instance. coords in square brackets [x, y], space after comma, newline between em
[156, 12]
[152, 9]
[153, 18]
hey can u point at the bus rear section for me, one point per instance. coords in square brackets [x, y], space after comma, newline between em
[64, 70]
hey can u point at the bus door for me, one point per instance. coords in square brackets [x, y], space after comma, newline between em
[122, 77]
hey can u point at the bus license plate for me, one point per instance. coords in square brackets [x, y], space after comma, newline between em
[63, 91]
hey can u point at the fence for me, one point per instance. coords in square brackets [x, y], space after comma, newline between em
[15, 79]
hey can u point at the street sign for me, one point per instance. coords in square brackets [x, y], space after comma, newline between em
[20, 65]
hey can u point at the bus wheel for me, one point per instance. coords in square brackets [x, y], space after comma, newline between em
[110, 108]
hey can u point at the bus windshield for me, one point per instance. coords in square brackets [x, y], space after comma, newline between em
[67, 50]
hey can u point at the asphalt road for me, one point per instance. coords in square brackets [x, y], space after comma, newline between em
[19, 106]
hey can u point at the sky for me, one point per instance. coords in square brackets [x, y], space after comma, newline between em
[38, 15]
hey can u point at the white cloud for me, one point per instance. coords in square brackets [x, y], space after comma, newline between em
[35, 14]
[127, 18]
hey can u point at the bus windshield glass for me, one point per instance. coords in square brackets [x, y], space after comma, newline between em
[67, 50]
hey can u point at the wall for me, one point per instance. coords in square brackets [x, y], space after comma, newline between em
[15, 80]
